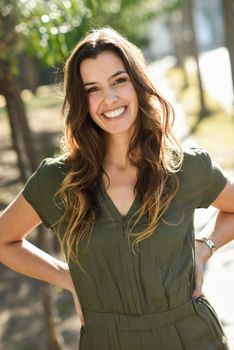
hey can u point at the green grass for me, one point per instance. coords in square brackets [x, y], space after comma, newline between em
[50, 100]
[46, 97]
[30, 348]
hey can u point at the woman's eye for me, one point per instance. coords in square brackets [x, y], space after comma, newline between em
[91, 90]
[120, 81]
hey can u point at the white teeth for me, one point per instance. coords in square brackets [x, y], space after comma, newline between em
[116, 113]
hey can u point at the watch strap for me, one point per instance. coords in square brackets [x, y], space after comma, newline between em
[210, 244]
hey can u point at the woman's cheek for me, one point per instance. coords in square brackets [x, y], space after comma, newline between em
[93, 105]
[90, 102]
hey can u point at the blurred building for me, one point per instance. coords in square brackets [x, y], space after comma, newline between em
[209, 26]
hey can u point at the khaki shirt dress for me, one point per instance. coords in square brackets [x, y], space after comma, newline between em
[140, 301]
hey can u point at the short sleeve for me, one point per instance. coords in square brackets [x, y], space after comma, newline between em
[41, 188]
[213, 179]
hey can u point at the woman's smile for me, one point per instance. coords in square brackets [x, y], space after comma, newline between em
[115, 113]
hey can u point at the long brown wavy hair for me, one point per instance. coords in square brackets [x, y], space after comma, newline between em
[160, 153]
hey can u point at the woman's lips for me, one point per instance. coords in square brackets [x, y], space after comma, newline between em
[116, 113]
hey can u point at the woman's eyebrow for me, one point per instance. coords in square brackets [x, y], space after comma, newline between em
[112, 76]
[118, 73]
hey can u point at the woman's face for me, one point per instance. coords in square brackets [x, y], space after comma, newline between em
[112, 99]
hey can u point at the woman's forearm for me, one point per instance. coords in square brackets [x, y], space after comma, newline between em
[220, 231]
[223, 231]
[25, 258]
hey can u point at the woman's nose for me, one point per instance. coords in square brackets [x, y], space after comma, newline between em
[110, 96]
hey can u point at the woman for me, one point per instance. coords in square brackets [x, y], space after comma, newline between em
[121, 200]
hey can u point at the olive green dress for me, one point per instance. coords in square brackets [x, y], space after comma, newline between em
[142, 300]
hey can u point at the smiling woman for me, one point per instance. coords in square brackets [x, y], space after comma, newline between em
[121, 199]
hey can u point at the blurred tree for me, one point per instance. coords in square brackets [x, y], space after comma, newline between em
[188, 15]
[184, 37]
[130, 17]
[176, 29]
[228, 9]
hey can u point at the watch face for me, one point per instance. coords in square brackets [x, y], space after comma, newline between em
[210, 244]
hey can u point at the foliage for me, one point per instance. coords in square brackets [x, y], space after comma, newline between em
[48, 29]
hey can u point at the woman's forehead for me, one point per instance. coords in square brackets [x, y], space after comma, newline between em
[105, 65]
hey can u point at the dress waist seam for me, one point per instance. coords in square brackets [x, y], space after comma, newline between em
[138, 322]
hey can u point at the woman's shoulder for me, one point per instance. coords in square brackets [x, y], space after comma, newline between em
[56, 162]
[195, 157]
[48, 176]
[196, 165]
[200, 176]
[194, 153]
[53, 166]
[42, 186]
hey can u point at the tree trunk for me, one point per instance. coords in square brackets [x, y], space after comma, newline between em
[177, 37]
[229, 31]
[55, 339]
[20, 132]
[29, 74]
[195, 52]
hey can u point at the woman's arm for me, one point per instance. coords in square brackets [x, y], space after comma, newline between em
[220, 232]
[16, 221]
[22, 256]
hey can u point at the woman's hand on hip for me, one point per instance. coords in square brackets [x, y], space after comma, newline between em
[78, 307]
[202, 254]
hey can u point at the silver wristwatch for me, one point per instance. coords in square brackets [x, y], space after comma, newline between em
[210, 244]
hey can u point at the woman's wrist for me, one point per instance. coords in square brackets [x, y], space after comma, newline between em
[69, 286]
[66, 281]
[203, 250]
[208, 242]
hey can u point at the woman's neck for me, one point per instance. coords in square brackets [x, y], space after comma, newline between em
[116, 151]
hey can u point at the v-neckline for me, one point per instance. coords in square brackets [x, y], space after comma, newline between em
[114, 208]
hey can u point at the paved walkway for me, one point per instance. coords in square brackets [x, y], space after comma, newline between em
[219, 276]
[216, 76]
